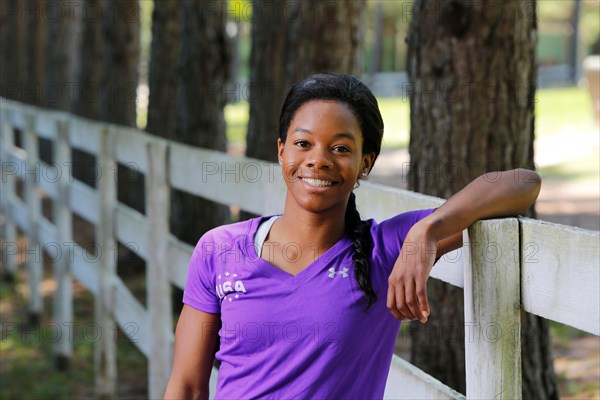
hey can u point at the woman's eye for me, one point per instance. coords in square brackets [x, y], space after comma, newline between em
[302, 143]
[342, 149]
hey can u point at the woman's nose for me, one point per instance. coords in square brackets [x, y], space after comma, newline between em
[319, 159]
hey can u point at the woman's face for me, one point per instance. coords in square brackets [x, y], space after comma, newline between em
[322, 156]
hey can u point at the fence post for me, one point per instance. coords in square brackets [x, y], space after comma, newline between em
[105, 362]
[63, 295]
[35, 259]
[159, 288]
[9, 170]
[492, 310]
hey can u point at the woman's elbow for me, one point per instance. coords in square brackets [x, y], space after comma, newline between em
[180, 389]
[530, 184]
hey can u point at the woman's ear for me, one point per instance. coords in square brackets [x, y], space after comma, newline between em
[367, 162]
[280, 147]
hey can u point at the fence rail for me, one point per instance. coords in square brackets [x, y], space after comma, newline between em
[505, 265]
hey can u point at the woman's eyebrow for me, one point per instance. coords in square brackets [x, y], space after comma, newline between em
[340, 134]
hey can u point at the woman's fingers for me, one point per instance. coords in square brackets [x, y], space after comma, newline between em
[401, 302]
[391, 302]
[398, 305]
[423, 302]
[410, 300]
[407, 297]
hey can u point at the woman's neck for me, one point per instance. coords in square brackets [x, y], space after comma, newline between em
[307, 228]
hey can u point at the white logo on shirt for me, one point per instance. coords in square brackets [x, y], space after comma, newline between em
[333, 272]
[230, 286]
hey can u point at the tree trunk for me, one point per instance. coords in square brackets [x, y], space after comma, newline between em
[10, 51]
[327, 36]
[120, 59]
[267, 78]
[162, 82]
[34, 75]
[36, 52]
[204, 65]
[60, 51]
[89, 75]
[472, 74]
[87, 96]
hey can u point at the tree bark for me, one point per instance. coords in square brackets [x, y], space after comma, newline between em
[472, 74]
[61, 51]
[203, 65]
[87, 96]
[36, 52]
[13, 54]
[326, 36]
[120, 59]
[89, 74]
[162, 82]
[267, 78]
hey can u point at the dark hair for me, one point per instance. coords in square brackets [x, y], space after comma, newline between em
[353, 93]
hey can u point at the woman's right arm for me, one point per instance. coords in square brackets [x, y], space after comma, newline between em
[196, 339]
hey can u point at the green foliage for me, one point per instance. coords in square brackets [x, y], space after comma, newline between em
[240, 10]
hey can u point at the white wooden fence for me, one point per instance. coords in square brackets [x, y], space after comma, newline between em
[506, 265]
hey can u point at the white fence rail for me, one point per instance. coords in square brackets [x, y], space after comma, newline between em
[506, 265]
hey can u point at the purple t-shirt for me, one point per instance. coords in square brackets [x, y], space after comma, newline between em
[306, 336]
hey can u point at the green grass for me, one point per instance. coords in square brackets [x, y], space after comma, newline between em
[236, 115]
[563, 110]
[396, 119]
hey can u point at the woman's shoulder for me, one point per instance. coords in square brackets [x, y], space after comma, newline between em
[407, 218]
[232, 232]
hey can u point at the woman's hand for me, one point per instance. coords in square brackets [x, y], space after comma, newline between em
[407, 291]
[495, 194]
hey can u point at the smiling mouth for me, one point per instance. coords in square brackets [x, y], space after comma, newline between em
[317, 182]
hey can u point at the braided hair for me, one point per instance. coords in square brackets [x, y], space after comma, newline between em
[350, 91]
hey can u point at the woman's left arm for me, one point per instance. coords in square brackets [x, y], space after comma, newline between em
[495, 194]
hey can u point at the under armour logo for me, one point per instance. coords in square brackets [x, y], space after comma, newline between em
[333, 272]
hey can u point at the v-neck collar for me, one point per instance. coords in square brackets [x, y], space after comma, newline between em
[271, 271]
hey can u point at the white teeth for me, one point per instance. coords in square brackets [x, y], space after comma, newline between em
[317, 182]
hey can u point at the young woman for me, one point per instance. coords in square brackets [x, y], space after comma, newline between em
[308, 304]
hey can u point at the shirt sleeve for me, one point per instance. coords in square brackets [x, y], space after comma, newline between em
[389, 235]
[200, 292]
